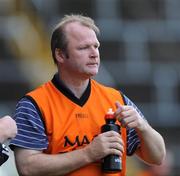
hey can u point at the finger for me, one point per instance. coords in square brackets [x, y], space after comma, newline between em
[129, 119]
[114, 151]
[118, 111]
[122, 121]
[128, 113]
[115, 139]
[119, 107]
[122, 111]
[117, 146]
[110, 134]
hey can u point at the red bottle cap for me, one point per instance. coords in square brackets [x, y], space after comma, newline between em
[109, 114]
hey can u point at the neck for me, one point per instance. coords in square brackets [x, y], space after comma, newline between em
[77, 86]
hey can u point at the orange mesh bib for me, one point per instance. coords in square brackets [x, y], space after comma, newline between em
[70, 126]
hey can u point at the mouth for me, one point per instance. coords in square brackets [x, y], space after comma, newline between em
[92, 64]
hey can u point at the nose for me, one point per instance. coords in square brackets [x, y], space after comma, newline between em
[94, 52]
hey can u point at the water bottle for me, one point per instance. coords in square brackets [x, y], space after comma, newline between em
[111, 163]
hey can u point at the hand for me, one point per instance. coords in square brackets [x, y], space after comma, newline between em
[105, 144]
[129, 117]
[8, 128]
[152, 148]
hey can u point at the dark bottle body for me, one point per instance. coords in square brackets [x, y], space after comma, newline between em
[111, 163]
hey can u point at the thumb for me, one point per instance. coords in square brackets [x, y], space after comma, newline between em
[119, 109]
[118, 106]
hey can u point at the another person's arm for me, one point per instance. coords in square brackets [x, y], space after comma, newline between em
[8, 128]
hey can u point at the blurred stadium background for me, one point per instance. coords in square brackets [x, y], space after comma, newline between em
[140, 55]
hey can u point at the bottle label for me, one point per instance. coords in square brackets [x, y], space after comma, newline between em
[117, 160]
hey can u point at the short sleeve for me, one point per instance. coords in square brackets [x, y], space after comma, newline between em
[133, 141]
[31, 130]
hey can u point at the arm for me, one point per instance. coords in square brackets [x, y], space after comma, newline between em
[8, 128]
[152, 147]
[40, 164]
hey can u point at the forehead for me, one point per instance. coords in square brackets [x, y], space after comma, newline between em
[79, 32]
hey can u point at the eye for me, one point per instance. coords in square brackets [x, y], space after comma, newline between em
[83, 47]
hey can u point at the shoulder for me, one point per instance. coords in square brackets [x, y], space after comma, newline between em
[26, 112]
[31, 130]
[103, 87]
[112, 93]
[25, 104]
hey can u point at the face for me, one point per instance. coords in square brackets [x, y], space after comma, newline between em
[83, 51]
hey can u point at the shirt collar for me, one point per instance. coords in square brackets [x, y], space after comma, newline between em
[58, 83]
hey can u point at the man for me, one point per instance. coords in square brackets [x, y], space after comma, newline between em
[59, 123]
[8, 130]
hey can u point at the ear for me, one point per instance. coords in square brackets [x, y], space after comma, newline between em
[60, 56]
